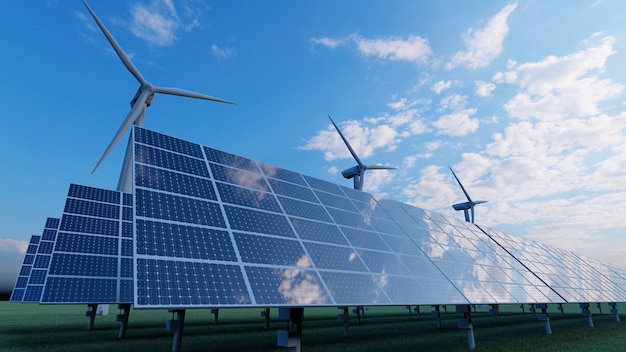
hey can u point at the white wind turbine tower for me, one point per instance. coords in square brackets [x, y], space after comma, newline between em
[142, 99]
[357, 172]
[469, 205]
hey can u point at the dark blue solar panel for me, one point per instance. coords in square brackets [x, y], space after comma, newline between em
[304, 209]
[170, 207]
[25, 270]
[318, 231]
[271, 250]
[127, 214]
[334, 257]
[258, 221]
[41, 261]
[102, 210]
[163, 239]
[128, 199]
[205, 284]
[75, 243]
[231, 160]
[98, 194]
[37, 277]
[127, 229]
[323, 185]
[287, 286]
[383, 263]
[32, 249]
[282, 174]
[335, 201]
[81, 224]
[79, 290]
[169, 143]
[21, 282]
[29, 259]
[49, 234]
[247, 197]
[17, 295]
[294, 191]
[33, 293]
[239, 177]
[350, 219]
[83, 265]
[172, 161]
[364, 239]
[174, 182]
[354, 288]
[52, 223]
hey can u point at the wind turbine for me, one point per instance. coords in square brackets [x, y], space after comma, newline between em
[357, 172]
[469, 205]
[139, 103]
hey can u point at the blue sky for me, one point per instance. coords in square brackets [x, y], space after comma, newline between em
[525, 100]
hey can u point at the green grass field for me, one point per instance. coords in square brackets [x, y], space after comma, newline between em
[25, 327]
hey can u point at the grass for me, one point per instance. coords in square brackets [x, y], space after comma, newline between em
[25, 327]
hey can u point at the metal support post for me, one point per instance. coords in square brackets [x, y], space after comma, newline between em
[466, 324]
[437, 315]
[409, 309]
[292, 337]
[584, 307]
[599, 306]
[543, 316]
[561, 309]
[91, 314]
[358, 310]
[345, 318]
[533, 310]
[419, 314]
[176, 326]
[216, 314]
[266, 313]
[122, 318]
[495, 309]
[445, 308]
[522, 306]
[613, 306]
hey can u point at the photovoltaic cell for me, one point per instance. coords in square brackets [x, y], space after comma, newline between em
[214, 229]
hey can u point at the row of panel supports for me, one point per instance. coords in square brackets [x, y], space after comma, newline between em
[292, 336]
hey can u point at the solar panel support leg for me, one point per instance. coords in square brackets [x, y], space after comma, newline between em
[437, 315]
[466, 324]
[522, 306]
[176, 326]
[495, 309]
[91, 314]
[543, 316]
[419, 314]
[216, 314]
[561, 309]
[123, 319]
[357, 310]
[293, 336]
[266, 313]
[345, 318]
[533, 310]
[613, 310]
[584, 307]
[599, 306]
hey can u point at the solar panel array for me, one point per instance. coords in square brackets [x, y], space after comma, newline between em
[205, 228]
[215, 229]
[32, 277]
[92, 257]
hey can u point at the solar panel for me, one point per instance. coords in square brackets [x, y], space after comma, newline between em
[91, 261]
[32, 275]
[287, 238]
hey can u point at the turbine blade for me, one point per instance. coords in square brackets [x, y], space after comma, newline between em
[120, 53]
[132, 116]
[460, 184]
[189, 94]
[358, 161]
[380, 167]
[480, 202]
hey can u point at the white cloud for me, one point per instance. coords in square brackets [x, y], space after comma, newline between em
[485, 44]
[413, 49]
[457, 123]
[439, 86]
[220, 53]
[453, 102]
[484, 89]
[328, 42]
[560, 87]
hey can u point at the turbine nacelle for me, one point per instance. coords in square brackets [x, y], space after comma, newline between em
[466, 206]
[356, 172]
